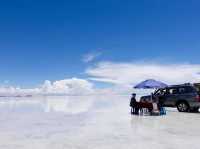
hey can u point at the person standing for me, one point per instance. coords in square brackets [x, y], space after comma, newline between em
[161, 106]
[133, 104]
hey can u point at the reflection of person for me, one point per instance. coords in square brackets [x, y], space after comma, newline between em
[133, 105]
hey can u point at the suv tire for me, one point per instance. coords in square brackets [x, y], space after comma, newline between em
[183, 106]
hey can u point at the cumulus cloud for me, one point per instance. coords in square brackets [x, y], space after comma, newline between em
[73, 86]
[89, 57]
[132, 73]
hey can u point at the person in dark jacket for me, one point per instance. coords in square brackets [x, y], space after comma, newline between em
[133, 105]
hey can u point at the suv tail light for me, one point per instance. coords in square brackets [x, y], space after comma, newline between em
[197, 98]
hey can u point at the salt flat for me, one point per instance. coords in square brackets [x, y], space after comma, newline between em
[91, 122]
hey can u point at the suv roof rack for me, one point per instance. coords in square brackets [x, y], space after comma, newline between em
[185, 84]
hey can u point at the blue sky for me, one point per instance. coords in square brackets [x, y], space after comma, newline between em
[46, 40]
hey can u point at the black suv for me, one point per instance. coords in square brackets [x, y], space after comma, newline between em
[185, 97]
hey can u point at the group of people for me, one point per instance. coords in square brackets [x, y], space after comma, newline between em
[153, 107]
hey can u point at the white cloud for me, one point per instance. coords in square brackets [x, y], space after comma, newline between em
[132, 73]
[122, 75]
[89, 57]
[73, 86]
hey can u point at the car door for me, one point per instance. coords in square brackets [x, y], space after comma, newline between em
[171, 97]
[160, 93]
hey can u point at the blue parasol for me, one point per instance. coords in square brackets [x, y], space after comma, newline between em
[150, 84]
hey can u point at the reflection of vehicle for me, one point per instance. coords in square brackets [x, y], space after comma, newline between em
[185, 97]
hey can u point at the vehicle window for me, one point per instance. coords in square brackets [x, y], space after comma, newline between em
[182, 90]
[197, 87]
[187, 89]
[173, 91]
[160, 92]
[164, 91]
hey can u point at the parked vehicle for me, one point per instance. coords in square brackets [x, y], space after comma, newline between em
[185, 97]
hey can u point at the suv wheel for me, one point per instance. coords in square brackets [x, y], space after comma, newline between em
[182, 106]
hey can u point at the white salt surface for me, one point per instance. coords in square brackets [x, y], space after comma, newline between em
[91, 122]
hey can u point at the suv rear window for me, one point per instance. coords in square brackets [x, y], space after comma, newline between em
[197, 86]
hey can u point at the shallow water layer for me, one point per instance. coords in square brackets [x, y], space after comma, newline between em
[91, 122]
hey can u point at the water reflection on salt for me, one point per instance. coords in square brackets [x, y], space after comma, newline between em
[66, 104]
[91, 122]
